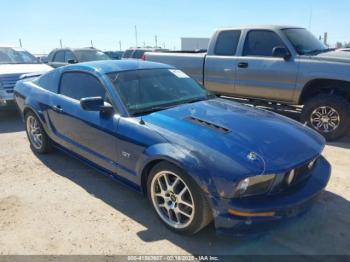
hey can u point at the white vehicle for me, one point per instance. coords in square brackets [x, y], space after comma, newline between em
[14, 64]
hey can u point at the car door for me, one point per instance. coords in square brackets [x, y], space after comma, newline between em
[220, 67]
[259, 74]
[92, 135]
[70, 57]
[58, 59]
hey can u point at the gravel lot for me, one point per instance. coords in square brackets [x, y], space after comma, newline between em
[54, 204]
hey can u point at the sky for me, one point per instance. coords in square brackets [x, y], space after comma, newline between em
[40, 24]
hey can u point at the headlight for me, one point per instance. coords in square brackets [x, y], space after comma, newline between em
[256, 185]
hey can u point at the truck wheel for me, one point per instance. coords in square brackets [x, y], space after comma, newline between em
[177, 199]
[327, 114]
[37, 136]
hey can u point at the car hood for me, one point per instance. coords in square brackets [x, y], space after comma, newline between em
[264, 140]
[333, 56]
[23, 68]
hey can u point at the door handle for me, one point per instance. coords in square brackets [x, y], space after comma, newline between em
[243, 65]
[57, 108]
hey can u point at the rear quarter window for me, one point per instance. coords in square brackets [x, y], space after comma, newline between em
[227, 42]
[49, 81]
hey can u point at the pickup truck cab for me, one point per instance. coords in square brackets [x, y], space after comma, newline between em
[279, 64]
[14, 64]
[65, 56]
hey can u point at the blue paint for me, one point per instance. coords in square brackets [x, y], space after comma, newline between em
[216, 160]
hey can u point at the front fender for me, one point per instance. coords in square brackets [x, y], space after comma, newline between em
[181, 157]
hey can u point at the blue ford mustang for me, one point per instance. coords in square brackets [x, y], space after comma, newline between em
[198, 158]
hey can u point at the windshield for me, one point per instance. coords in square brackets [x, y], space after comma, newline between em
[144, 91]
[304, 42]
[90, 55]
[10, 55]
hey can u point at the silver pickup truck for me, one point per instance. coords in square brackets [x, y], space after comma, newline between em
[279, 64]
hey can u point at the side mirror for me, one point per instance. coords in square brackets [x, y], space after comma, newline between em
[282, 52]
[96, 104]
[71, 61]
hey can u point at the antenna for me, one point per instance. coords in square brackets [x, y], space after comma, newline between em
[140, 97]
[20, 42]
[136, 41]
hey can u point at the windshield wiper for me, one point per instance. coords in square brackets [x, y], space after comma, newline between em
[198, 99]
[318, 51]
[150, 110]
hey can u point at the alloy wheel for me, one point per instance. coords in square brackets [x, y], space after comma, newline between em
[34, 132]
[172, 199]
[325, 119]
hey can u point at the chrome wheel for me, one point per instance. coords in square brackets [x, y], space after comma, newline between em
[34, 132]
[325, 119]
[172, 199]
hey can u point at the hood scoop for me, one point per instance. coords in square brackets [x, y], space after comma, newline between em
[206, 124]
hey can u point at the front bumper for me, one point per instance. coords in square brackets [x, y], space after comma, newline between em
[6, 97]
[230, 215]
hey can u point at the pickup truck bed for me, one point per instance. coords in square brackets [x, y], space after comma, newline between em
[191, 63]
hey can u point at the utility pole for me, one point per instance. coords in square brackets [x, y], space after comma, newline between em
[144, 44]
[61, 43]
[156, 40]
[136, 41]
[164, 45]
[20, 42]
[92, 44]
[120, 45]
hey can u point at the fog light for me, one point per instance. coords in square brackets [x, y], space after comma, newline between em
[311, 164]
[290, 177]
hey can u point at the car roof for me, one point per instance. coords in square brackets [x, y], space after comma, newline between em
[75, 49]
[109, 66]
[261, 27]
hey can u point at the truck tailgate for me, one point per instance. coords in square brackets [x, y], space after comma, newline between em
[191, 64]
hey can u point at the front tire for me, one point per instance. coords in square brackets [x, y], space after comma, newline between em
[177, 199]
[329, 115]
[39, 141]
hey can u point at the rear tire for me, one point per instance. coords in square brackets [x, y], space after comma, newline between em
[39, 141]
[185, 213]
[329, 115]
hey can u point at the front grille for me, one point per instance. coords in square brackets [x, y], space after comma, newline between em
[301, 174]
[9, 81]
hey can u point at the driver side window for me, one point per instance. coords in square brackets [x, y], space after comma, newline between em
[261, 43]
[78, 85]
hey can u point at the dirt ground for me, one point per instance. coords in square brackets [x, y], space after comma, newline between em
[54, 204]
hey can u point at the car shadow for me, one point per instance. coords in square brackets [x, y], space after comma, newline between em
[10, 121]
[323, 230]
